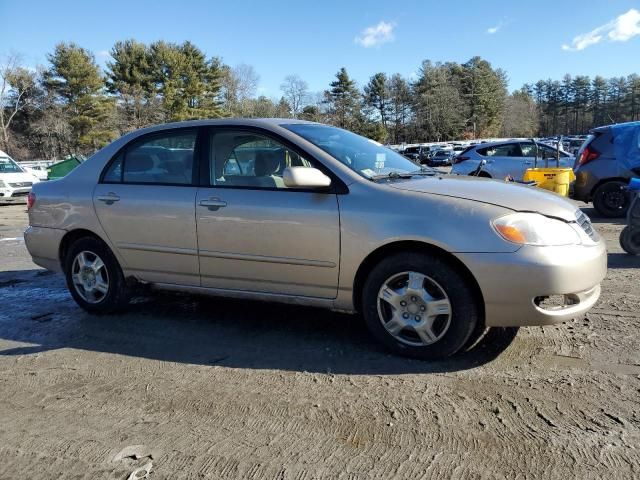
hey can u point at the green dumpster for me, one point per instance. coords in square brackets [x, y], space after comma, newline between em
[60, 169]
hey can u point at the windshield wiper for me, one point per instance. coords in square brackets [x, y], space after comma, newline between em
[392, 175]
[395, 175]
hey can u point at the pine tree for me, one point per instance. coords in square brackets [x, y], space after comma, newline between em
[343, 100]
[377, 97]
[76, 82]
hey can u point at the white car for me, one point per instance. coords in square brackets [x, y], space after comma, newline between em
[39, 171]
[15, 181]
[508, 159]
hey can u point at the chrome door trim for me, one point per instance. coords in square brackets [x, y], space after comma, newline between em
[266, 259]
[157, 248]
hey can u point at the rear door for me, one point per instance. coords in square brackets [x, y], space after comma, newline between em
[145, 202]
[255, 234]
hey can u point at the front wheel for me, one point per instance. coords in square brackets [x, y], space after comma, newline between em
[419, 306]
[630, 240]
[94, 278]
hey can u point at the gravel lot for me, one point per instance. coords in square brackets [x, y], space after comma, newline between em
[207, 388]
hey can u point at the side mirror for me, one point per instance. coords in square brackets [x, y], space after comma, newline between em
[305, 177]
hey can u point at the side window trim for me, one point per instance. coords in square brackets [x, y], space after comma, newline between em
[196, 170]
[337, 185]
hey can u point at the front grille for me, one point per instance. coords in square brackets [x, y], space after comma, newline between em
[21, 184]
[585, 224]
[20, 194]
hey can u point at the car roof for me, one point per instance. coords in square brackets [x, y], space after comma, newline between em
[501, 142]
[606, 127]
[247, 122]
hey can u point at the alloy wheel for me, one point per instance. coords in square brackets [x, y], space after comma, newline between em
[90, 277]
[414, 308]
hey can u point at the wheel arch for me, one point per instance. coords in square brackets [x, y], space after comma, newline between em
[70, 237]
[418, 247]
[603, 181]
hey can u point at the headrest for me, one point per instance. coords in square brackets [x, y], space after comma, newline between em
[266, 164]
[138, 162]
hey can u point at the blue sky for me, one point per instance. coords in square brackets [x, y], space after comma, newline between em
[315, 38]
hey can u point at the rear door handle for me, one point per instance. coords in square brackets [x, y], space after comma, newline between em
[109, 198]
[213, 203]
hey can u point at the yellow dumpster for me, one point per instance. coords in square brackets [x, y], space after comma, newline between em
[555, 179]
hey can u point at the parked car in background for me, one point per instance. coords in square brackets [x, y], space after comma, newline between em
[419, 154]
[38, 171]
[605, 163]
[15, 181]
[304, 213]
[457, 149]
[508, 159]
[440, 158]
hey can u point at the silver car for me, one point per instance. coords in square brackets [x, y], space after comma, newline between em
[508, 159]
[304, 213]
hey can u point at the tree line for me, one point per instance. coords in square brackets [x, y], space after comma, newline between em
[73, 106]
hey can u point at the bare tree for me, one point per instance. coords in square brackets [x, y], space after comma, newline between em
[239, 86]
[17, 85]
[296, 91]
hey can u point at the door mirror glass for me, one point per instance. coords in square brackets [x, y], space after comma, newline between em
[305, 177]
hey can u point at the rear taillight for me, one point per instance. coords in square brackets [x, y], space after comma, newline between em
[31, 200]
[588, 154]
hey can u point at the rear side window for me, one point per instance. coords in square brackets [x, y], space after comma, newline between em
[164, 159]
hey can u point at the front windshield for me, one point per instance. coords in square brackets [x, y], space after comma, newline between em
[366, 157]
[9, 166]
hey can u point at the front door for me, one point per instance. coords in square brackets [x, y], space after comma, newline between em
[254, 234]
[145, 202]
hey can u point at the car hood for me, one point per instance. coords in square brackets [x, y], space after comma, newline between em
[516, 197]
[15, 177]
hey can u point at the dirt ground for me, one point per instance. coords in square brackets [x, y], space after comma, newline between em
[208, 388]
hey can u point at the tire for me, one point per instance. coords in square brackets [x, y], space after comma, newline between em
[108, 291]
[611, 200]
[630, 240]
[424, 329]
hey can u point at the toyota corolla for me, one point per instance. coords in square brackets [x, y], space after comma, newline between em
[305, 213]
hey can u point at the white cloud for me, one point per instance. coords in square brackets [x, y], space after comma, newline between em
[492, 30]
[376, 35]
[620, 29]
[103, 54]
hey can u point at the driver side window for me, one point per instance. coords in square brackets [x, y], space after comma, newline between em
[245, 159]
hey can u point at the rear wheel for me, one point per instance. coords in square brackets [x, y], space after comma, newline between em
[418, 305]
[94, 278]
[630, 240]
[611, 199]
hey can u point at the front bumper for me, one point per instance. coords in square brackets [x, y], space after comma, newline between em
[513, 284]
[14, 195]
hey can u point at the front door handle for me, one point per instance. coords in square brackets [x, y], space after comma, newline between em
[109, 198]
[213, 203]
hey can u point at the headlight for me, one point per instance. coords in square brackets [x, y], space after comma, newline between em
[2, 184]
[535, 229]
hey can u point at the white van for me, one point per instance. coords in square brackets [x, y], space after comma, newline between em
[15, 181]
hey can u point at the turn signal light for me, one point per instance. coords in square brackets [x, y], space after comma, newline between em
[511, 233]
